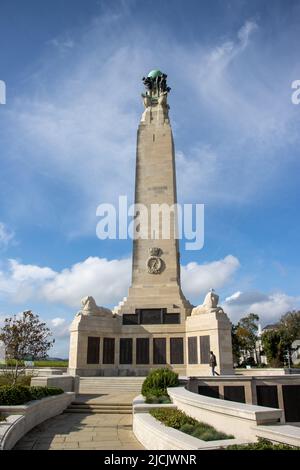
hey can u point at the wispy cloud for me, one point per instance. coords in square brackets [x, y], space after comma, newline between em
[106, 280]
[6, 235]
[78, 128]
[269, 307]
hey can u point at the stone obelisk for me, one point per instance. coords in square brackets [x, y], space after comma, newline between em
[155, 266]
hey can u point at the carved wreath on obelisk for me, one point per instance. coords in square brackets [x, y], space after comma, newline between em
[154, 262]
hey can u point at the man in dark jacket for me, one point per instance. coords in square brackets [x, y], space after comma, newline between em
[213, 363]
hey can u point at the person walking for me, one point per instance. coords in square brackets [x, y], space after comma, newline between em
[213, 363]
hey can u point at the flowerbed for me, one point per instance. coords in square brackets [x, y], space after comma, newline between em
[178, 420]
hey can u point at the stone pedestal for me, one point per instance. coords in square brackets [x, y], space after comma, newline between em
[216, 326]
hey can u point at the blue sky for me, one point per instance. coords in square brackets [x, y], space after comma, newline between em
[67, 143]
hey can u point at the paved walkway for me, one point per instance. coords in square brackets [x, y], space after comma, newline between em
[83, 431]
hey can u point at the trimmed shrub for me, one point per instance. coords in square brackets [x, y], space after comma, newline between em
[161, 399]
[11, 395]
[14, 395]
[157, 382]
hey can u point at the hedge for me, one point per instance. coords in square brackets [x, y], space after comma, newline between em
[11, 395]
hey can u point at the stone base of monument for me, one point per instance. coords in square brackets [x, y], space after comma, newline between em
[106, 344]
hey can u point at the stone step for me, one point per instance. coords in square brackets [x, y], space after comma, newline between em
[97, 411]
[100, 407]
[95, 404]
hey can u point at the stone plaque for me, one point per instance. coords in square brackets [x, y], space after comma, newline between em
[204, 349]
[130, 319]
[234, 393]
[125, 350]
[192, 350]
[209, 391]
[108, 350]
[176, 350]
[93, 350]
[267, 395]
[291, 394]
[142, 351]
[151, 316]
[172, 318]
[159, 351]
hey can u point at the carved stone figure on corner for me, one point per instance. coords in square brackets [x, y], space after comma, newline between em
[210, 304]
[89, 307]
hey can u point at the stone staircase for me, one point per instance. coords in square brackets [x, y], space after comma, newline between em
[111, 385]
[106, 395]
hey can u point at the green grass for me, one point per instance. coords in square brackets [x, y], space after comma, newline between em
[42, 363]
[178, 420]
[262, 444]
[51, 363]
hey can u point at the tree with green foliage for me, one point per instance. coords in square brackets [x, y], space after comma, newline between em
[246, 334]
[277, 343]
[25, 337]
[236, 344]
[274, 347]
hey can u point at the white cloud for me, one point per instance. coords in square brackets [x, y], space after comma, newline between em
[269, 307]
[106, 280]
[197, 279]
[28, 272]
[6, 235]
[57, 321]
[60, 328]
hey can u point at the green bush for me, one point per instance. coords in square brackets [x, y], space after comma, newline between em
[14, 395]
[11, 395]
[178, 420]
[262, 444]
[154, 399]
[157, 382]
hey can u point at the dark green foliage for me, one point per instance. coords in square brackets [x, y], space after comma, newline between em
[154, 399]
[178, 420]
[262, 444]
[11, 395]
[157, 382]
[14, 395]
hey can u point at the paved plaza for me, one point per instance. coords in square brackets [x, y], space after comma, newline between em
[83, 431]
